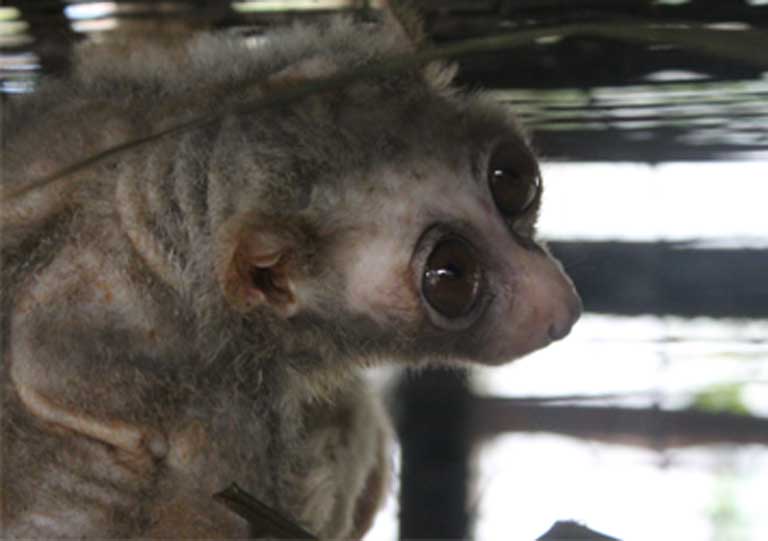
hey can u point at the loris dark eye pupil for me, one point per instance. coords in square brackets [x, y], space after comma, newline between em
[512, 193]
[452, 278]
[514, 180]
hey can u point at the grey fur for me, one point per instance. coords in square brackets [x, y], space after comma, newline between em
[113, 304]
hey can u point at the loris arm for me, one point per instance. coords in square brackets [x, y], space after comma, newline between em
[265, 521]
[60, 483]
[341, 484]
[196, 516]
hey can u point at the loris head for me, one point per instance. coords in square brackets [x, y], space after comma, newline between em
[399, 221]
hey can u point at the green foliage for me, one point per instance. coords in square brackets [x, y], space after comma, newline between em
[726, 398]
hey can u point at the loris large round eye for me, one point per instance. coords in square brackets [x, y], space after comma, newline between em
[452, 278]
[514, 179]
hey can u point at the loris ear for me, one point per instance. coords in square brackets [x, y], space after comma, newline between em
[404, 21]
[256, 266]
[314, 67]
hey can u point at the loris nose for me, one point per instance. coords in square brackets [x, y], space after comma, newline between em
[566, 318]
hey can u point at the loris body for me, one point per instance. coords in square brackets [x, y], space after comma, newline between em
[195, 311]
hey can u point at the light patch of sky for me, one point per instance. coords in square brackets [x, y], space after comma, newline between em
[386, 526]
[299, 5]
[714, 202]
[90, 10]
[647, 360]
[525, 483]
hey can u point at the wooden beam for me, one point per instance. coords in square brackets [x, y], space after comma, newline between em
[431, 412]
[651, 428]
[665, 278]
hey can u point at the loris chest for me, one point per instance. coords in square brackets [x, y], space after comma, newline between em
[324, 466]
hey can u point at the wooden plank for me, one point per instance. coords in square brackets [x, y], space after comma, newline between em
[431, 411]
[666, 278]
[650, 428]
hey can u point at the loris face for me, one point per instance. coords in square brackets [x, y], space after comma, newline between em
[454, 256]
[430, 250]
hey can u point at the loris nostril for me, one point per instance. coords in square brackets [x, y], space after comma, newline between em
[562, 328]
[558, 331]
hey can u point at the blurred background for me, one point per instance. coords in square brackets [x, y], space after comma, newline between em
[651, 420]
